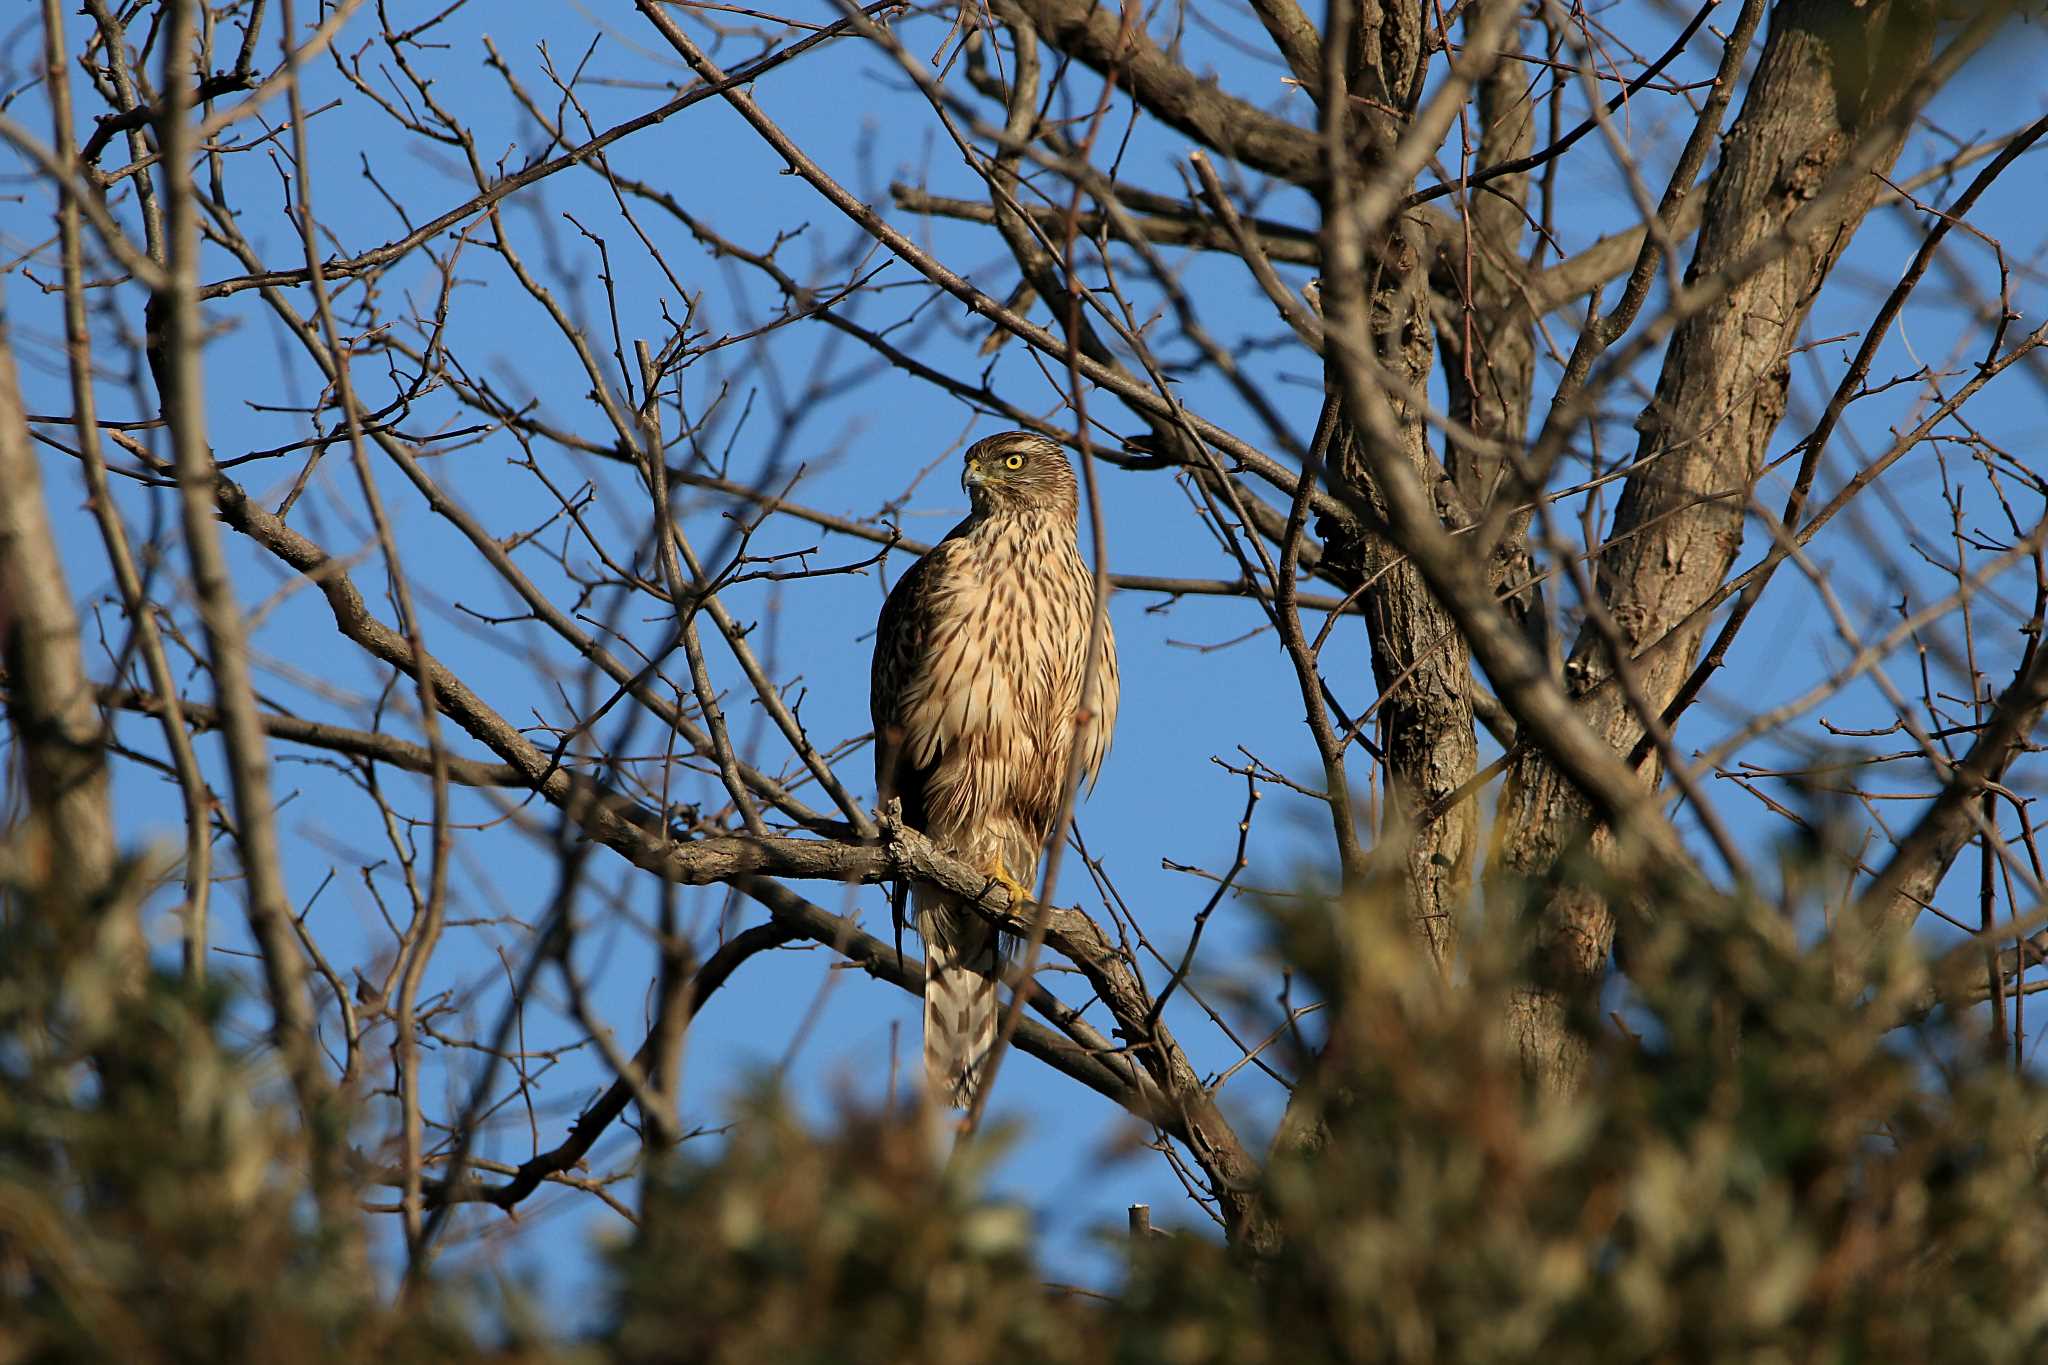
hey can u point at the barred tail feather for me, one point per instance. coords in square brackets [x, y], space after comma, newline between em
[962, 962]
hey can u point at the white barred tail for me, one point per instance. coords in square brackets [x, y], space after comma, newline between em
[963, 960]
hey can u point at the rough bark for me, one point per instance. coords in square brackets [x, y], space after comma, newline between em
[1824, 103]
[1109, 38]
[1420, 662]
[1488, 347]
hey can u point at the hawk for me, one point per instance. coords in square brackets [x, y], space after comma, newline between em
[978, 701]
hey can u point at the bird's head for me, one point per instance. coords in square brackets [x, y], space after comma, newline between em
[1019, 472]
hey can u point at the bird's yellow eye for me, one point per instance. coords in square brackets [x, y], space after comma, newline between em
[1013, 462]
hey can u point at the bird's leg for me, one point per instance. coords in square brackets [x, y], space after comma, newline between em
[1020, 894]
[888, 826]
[899, 892]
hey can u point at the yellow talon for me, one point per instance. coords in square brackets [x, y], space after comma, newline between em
[1020, 894]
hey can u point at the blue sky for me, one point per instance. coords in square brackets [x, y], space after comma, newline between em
[860, 432]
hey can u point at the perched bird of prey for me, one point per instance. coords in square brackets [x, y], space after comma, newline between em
[981, 690]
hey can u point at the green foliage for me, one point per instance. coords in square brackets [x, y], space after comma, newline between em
[860, 1248]
[1759, 1169]
[153, 1201]
[1762, 1170]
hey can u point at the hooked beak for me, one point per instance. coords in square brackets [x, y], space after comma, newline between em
[970, 476]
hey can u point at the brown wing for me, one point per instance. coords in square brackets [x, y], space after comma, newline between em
[901, 636]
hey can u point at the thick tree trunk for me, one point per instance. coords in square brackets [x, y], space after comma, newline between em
[1419, 660]
[1822, 112]
[68, 837]
[1487, 341]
